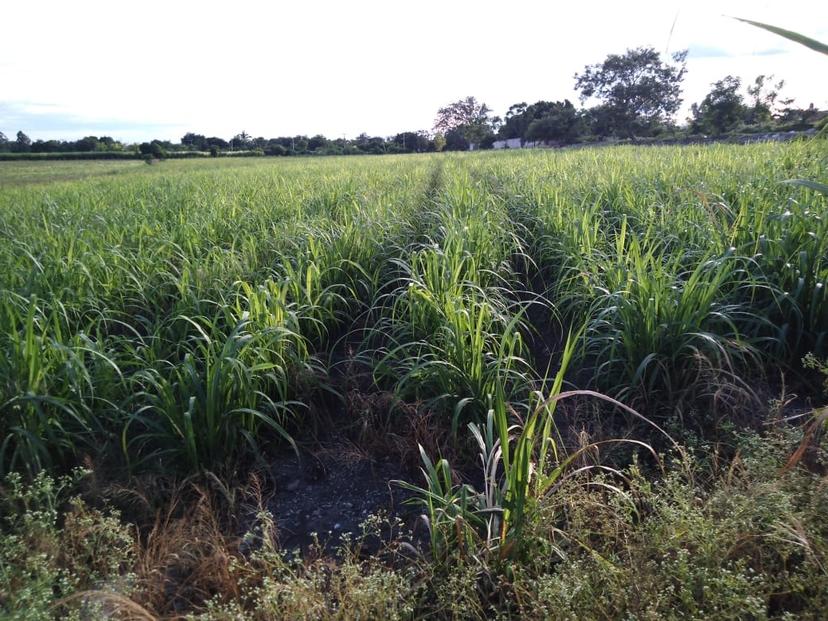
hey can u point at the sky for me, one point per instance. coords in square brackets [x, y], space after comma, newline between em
[157, 69]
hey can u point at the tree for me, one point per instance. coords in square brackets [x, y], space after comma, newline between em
[412, 142]
[89, 143]
[517, 121]
[274, 148]
[46, 146]
[766, 101]
[215, 141]
[299, 145]
[24, 143]
[317, 142]
[467, 117]
[722, 109]
[598, 121]
[456, 140]
[374, 144]
[241, 141]
[439, 142]
[488, 141]
[800, 118]
[561, 122]
[194, 141]
[4, 142]
[557, 121]
[152, 149]
[108, 143]
[639, 91]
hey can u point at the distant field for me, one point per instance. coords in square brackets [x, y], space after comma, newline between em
[27, 173]
[19, 173]
[203, 316]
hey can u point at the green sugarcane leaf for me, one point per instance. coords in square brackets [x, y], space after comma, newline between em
[790, 35]
[816, 186]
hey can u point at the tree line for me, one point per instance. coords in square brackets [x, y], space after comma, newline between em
[631, 95]
[240, 144]
[23, 144]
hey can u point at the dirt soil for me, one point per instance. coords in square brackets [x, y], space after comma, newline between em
[332, 492]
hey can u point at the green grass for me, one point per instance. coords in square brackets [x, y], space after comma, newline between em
[136, 301]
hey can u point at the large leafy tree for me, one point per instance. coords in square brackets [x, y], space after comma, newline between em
[242, 141]
[24, 143]
[466, 119]
[456, 140]
[560, 122]
[766, 100]
[88, 143]
[412, 142]
[543, 120]
[638, 90]
[317, 142]
[195, 141]
[215, 141]
[517, 121]
[721, 109]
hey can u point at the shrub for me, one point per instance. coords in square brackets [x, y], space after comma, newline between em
[55, 549]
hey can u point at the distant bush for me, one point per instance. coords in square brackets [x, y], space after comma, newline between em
[153, 149]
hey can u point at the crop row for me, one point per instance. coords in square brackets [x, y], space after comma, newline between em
[185, 315]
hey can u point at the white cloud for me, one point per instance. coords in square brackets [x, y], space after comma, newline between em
[274, 68]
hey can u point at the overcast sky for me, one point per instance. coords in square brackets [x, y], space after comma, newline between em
[157, 69]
